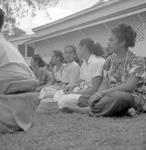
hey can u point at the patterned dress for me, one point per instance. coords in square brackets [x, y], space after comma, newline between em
[42, 75]
[119, 71]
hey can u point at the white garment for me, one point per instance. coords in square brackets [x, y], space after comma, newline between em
[88, 71]
[71, 73]
[58, 73]
[67, 100]
[12, 63]
[48, 91]
[68, 74]
[92, 69]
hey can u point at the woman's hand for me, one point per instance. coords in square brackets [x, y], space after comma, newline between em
[69, 88]
[97, 96]
[70, 92]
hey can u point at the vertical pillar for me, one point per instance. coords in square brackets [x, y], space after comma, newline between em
[25, 51]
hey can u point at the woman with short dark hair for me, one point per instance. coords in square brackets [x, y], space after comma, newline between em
[57, 59]
[71, 71]
[38, 66]
[76, 57]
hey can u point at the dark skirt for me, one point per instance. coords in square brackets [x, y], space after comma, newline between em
[113, 104]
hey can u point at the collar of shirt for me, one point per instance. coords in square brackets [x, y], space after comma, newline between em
[92, 58]
[69, 64]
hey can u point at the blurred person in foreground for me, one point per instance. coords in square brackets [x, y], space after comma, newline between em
[18, 99]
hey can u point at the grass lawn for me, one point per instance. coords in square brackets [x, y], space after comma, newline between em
[79, 132]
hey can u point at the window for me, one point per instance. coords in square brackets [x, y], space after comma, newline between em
[30, 51]
[21, 49]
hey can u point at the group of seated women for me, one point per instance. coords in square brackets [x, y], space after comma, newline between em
[65, 72]
[113, 86]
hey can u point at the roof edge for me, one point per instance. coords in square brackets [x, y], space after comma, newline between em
[21, 37]
[106, 19]
[83, 12]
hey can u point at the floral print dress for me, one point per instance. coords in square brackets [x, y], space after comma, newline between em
[117, 72]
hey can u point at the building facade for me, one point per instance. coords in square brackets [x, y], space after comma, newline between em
[95, 22]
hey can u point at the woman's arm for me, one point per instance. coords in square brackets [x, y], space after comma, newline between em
[96, 82]
[52, 81]
[70, 87]
[128, 86]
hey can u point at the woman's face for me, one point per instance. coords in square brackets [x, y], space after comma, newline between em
[114, 44]
[81, 51]
[69, 54]
[33, 64]
[54, 59]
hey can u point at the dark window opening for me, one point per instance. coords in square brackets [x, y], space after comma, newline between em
[21, 49]
[30, 51]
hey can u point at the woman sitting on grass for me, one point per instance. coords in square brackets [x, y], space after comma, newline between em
[71, 71]
[57, 59]
[63, 74]
[51, 87]
[125, 76]
[91, 75]
[38, 67]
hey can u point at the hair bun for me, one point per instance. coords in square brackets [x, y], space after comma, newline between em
[125, 32]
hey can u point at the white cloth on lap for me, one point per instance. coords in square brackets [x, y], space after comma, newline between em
[64, 100]
[48, 92]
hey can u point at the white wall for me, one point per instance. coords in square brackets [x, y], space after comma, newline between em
[99, 33]
[45, 47]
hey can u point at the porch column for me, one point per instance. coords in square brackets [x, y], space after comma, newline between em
[25, 50]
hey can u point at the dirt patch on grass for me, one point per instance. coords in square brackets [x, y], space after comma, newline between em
[79, 132]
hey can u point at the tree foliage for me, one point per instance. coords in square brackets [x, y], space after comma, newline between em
[16, 9]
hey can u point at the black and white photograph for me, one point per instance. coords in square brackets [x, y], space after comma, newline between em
[72, 74]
